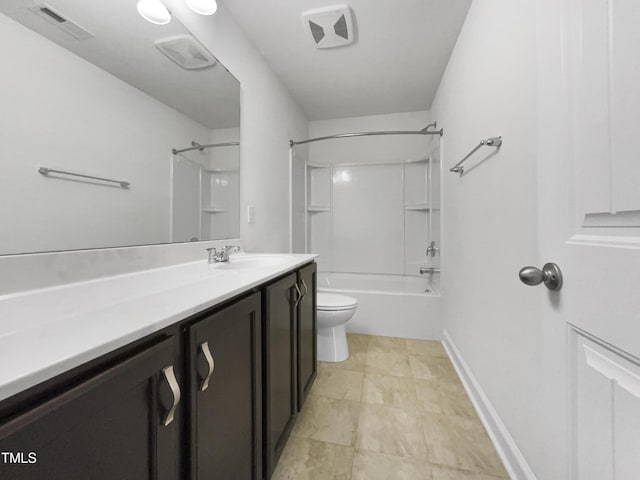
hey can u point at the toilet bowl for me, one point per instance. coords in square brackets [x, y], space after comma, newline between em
[333, 311]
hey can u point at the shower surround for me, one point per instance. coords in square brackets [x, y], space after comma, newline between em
[372, 207]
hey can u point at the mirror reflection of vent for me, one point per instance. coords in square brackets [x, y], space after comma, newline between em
[61, 21]
[330, 26]
[187, 52]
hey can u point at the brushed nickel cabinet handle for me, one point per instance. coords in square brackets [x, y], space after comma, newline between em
[306, 290]
[299, 294]
[204, 348]
[170, 376]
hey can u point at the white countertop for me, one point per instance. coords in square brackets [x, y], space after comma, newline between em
[44, 333]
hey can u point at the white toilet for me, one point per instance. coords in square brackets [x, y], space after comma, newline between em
[333, 312]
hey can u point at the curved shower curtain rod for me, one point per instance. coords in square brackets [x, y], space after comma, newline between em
[424, 131]
[197, 146]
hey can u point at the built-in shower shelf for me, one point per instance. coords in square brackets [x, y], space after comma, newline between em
[317, 209]
[213, 210]
[421, 207]
[318, 165]
[221, 170]
[418, 160]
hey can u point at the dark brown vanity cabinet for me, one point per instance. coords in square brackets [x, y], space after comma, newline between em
[280, 366]
[307, 331]
[118, 424]
[211, 397]
[225, 393]
[289, 307]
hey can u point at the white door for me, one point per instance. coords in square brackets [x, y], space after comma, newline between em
[589, 223]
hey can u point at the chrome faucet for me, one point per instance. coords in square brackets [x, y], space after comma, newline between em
[222, 255]
[432, 249]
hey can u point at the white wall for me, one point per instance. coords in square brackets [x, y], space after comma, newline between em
[299, 156]
[270, 118]
[62, 112]
[490, 213]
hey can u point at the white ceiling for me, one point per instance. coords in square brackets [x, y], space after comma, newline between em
[402, 48]
[124, 46]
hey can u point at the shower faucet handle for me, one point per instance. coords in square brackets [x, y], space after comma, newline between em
[432, 249]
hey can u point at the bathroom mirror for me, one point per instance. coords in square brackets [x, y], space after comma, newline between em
[97, 106]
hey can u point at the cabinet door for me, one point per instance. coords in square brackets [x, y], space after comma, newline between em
[307, 332]
[226, 393]
[115, 425]
[280, 345]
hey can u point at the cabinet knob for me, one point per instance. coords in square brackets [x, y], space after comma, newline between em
[211, 364]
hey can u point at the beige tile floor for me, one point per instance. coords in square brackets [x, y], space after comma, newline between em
[394, 410]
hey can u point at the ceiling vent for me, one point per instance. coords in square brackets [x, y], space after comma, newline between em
[187, 52]
[329, 27]
[52, 15]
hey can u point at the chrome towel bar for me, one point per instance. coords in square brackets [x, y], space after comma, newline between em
[489, 142]
[46, 171]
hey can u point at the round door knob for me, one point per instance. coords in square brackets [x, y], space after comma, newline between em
[550, 275]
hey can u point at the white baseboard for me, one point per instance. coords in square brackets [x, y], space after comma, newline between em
[511, 456]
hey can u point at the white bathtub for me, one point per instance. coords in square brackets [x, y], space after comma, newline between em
[389, 305]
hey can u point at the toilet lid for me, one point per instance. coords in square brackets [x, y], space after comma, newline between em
[331, 301]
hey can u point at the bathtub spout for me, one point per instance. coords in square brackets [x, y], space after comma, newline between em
[431, 270]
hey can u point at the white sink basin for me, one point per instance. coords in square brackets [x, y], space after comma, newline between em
[247, 262]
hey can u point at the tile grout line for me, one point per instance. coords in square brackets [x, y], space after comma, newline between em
[420, 416]
[355, 446]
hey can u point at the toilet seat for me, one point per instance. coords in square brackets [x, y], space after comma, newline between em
[331, 302]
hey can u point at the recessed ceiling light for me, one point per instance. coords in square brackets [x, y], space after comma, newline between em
[203, 7]
[154, 11]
